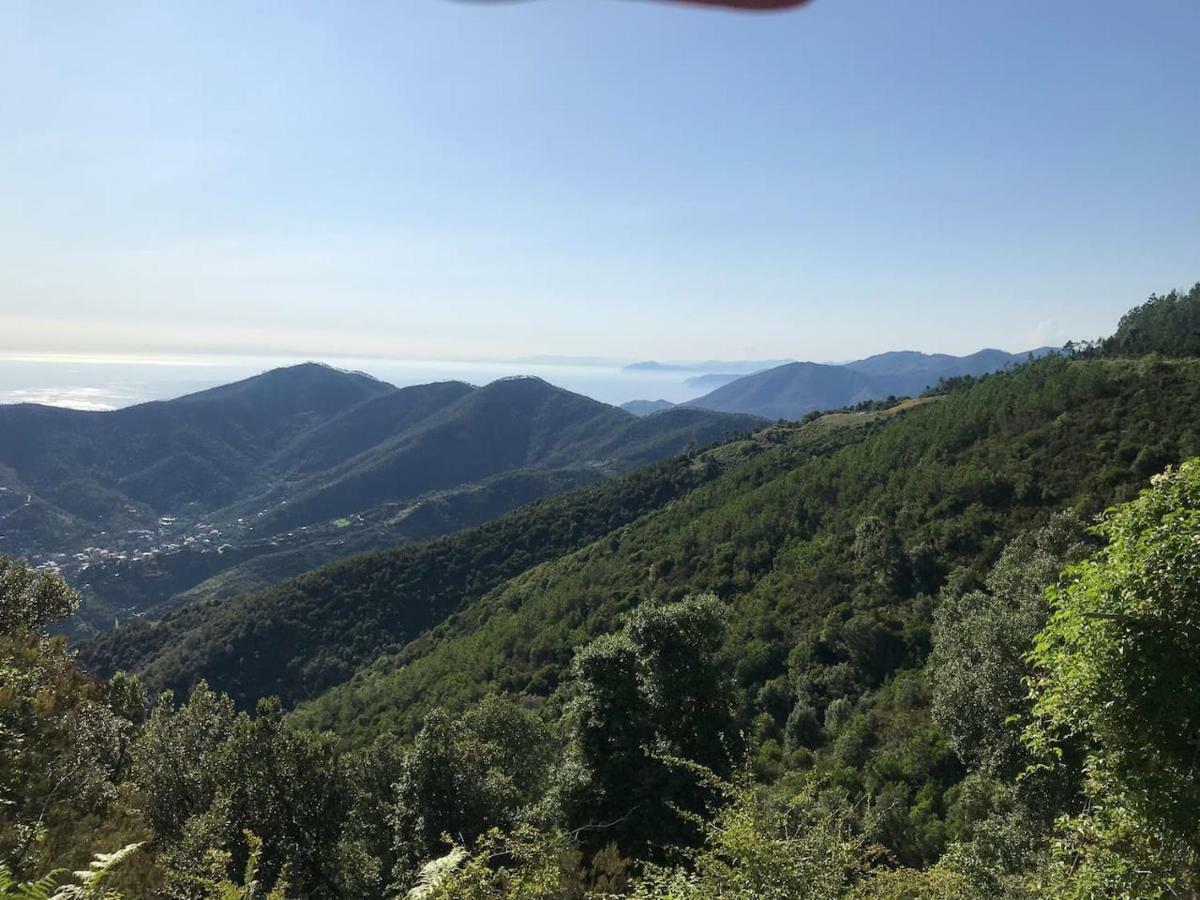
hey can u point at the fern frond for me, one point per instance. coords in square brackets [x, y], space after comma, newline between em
[434, 872]
[11, 889]
[92, 878]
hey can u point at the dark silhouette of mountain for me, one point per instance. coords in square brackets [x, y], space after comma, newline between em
[369, 423]
[293, 468]
[646, 407]
[514, 423]
[792, 391]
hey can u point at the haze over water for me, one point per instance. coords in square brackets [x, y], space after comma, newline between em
[103, 383]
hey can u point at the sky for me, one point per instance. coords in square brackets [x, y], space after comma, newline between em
[431, 179]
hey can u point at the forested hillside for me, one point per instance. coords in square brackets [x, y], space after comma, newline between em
[854, 542]
[227, 490]
[941, 648]
[1168, 325]
[340, 617]
[953, 479]
[69, 475]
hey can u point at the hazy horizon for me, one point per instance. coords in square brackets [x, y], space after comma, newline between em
[100, 382]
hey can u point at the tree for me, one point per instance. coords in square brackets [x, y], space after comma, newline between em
[1167, 324]
[1117, 667]
[174, 759]
[768, 849]
[208, 773]
[61, 743]
[31, 601]
[466, 776]
[653, 704]
[978, 666]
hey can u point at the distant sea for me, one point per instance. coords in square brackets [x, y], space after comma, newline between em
[101, 383]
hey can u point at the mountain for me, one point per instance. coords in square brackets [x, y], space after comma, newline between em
[646, 407]
[910, 372]
[511, 424]
[234, 487]
[791, 391]
[794, 390]
[86, 472]
[368, 424]
[767, 522]
[711, 381]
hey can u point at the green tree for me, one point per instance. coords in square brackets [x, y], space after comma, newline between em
[978, 667]
[206, 773]
[800, 848]
[464, 777]
[1167, 324]
[1117, 667]
[31, 601]
[61, 743]
[653, 701]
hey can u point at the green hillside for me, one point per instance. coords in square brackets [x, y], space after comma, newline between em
[857, 539]
[774, 536]
[514, 423]
[204, 447]
[340, 617]
[238, 487]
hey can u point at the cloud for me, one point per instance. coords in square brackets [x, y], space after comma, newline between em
[1048, 333]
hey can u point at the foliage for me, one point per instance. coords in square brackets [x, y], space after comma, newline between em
[527, 863]
[31, 601]
[653, 703]
[465, 777]
[89, 884]
[220, 887]
[63, 737]
[208, 772]
[93, 880]
[27, 890]
[344, 615]
[1117, 666]
[980, 639]
[769, 850]
[1167, 324]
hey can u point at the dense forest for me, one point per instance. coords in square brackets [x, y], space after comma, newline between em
[946, 647]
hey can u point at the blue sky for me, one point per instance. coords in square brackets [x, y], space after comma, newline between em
[434, 179]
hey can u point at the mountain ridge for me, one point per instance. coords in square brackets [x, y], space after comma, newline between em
[298, 464]
[793, 390]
